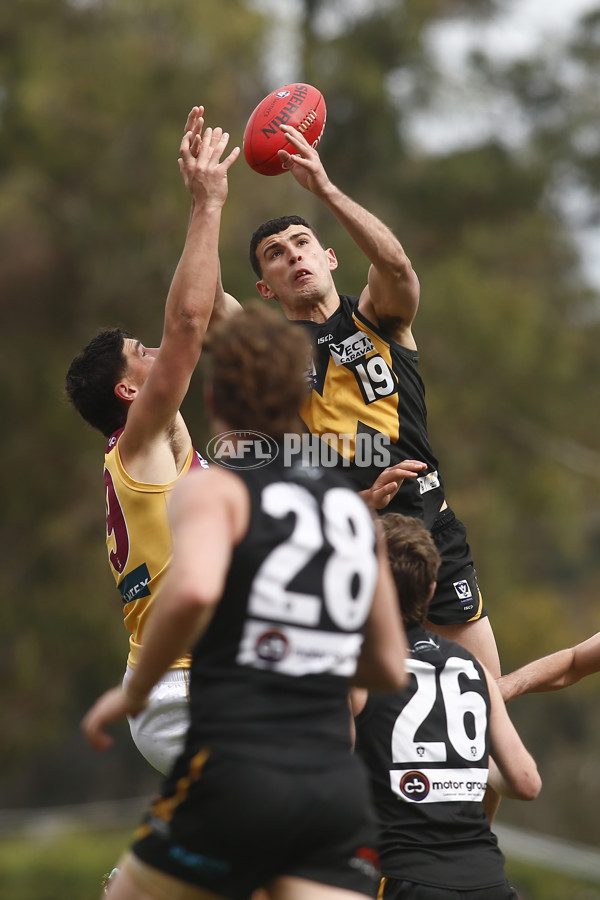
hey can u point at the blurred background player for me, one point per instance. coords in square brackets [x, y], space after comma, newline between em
[427, 750]
[132, 394]
[275, 578]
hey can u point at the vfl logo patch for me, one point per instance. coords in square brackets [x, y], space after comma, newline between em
[351, 348]
[135, 585]
[428, 482]
[463, 591]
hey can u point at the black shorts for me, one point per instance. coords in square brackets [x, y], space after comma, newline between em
[457, 598]
[232, 825]
[398, 889]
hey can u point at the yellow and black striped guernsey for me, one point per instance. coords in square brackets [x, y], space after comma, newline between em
[365, 385]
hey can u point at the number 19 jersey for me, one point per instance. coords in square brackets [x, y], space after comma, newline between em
[365, 385]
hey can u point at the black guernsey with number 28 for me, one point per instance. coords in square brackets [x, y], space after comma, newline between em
[268, 752]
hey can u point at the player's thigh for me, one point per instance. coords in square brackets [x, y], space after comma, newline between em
[291, 888]
[136, 880]
[477, 637]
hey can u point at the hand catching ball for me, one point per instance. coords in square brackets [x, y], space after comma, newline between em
[300, 105]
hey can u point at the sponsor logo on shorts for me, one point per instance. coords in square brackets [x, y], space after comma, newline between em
[463, 591]
[197, 861]
[351, 348]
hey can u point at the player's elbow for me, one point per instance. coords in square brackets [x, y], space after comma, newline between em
[528, 785]
[194, 595]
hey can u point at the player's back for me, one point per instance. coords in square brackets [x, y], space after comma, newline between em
[427, 750]
[270, 676]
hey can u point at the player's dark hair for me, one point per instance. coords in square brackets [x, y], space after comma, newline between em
[91, 380]
[415, 561]
[275, 226]
[257, 370]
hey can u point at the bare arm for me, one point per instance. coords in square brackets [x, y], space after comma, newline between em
[513, 771]
[210, 512]
[553, 672]
[381, 661]
[391, 296]
[225, 304]
[191, 295]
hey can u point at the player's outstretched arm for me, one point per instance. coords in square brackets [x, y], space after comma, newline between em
[391, 296]
[192, 293]
[515, 772]
[553, 672]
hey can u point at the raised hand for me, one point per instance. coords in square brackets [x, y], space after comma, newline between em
[305, 165]
[200, 164]
[387, 484]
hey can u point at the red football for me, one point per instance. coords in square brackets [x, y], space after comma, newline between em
[300, 105]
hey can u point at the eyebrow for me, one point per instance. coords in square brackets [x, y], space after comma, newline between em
[277, 243]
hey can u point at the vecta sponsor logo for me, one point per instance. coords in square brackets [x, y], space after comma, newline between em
[242, 449]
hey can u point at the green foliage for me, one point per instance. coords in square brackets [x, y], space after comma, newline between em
[93, 99]
[71, 866]
[68, 866]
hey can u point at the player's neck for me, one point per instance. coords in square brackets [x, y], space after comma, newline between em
[313, 310]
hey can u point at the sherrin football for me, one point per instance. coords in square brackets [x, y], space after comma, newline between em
[300, 105]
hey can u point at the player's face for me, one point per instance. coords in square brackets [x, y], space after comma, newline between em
[295, 267]
[139, 359]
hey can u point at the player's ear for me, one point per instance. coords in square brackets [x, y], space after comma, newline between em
[332, 259]
[264, 290]
[125, 391]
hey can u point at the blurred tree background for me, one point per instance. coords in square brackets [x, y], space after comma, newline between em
[93, 98]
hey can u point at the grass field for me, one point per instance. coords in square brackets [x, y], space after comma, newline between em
[71, 866]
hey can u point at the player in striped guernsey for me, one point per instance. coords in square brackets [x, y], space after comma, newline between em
[365, 375]
[428, 749]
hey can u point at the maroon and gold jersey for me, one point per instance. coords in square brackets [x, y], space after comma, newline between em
[138, 539]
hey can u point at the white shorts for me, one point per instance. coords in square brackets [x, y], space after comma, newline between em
[159, 730]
